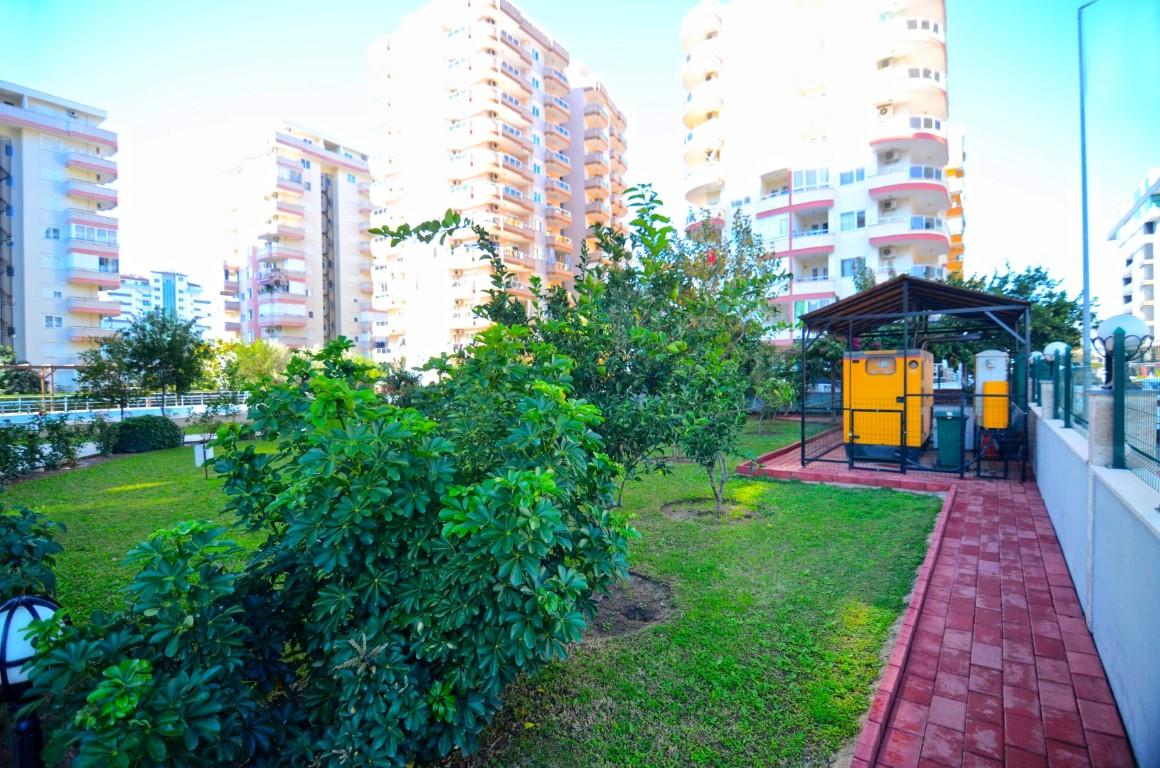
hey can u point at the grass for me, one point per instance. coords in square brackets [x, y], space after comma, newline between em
[769, 658]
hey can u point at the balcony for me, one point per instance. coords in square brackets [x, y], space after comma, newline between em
[914, 36]
[512, 139]
[597, 188]
[595, 140]
[822, 283]
[699, 23]
[287, 232]
[233, 326]
[561, 268]
[83, 161]
[703, 184]
[102, 277]
[275, 252]
[556, 109]
[596, 163]
[598, 212]
[464, 319]
[515, 170]
[560, 242]
[289, 208]
[83, 306]
[92, 247]
[809, 242]
[282, 320]
[922, 137]
[512, 43]
[515, 201]
[557, 163]
[516, 76]
[701, 64]
[514, 110]
[595, 115]
[618, 163]
[232, 305]
[289, 184]
[922, 88]
[619, 209]
[89, 333]
[556, 82]
[923, 184]
[618, 142]
[557, 191]
[104, 198]
[557, 137]
[91, 218]
[560, 217]
[703, 143]
[927, 234]
[472, 133]
[703, 100]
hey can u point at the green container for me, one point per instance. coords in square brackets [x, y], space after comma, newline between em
[949, 431]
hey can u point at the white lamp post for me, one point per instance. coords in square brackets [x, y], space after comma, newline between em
[1137, 340]
[16, 651]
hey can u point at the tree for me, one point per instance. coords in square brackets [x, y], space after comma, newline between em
[16, 381]
[168, 353]
[398, 383]
[107, 375]
[863, 276]
[249, 363]
[712, 392]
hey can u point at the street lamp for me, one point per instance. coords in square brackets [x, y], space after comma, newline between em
[1137, 341]
[16, 651]
[1083, 181]
[1054, 352]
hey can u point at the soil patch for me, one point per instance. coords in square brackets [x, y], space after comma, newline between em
[706, 509]
[632, 605]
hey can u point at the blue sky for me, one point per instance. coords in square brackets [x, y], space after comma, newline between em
[193, 87]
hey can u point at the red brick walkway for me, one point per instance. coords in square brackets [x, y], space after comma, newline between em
[994, 664]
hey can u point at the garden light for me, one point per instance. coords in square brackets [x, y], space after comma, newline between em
[1137, 340]
[16, 651]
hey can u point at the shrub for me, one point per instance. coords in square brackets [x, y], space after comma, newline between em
[146, 433]
[61, 440]
[28, 543]
[414, 563]
[104, 433]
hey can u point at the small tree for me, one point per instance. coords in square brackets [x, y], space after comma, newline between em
[107, 375]
[168, 353]
[713, 393]
[16, 381]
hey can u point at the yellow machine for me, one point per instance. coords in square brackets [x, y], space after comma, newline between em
[996, 405]
[874, 387]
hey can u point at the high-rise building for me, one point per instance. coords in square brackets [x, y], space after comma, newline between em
[956, 219]
[172, 292]
[58, 243]
[1136, 236]
[834, 143]
[478, 110]
[300, 269]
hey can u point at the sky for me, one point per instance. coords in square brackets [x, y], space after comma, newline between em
[193, 88]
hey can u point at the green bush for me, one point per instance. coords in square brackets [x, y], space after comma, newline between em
[414, 562]
[104, 433]
[138, 434]
[27, 541]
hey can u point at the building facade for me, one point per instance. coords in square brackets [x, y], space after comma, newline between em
[58, 239]
[956, 176]
[1136, 238]
[839, 157]
[172, 292]
[477, 109]
[299, 272]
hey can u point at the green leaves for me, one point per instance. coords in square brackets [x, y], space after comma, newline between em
[28, 550]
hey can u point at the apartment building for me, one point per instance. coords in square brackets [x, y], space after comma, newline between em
[835, 143]
[1136, 238]
[58, 241]
[956, 174]
[299, 272]
[172, 292]
[479, 110]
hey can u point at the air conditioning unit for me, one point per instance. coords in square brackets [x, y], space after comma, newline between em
[72, 113]
[886, 110]
[885, 253]
[890, 157]
[889, 205]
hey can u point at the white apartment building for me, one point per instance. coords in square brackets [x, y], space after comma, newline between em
[300, 268]
[172, 292]
[834, 142]
[478, 110]
[1136, 236]
[58, 242]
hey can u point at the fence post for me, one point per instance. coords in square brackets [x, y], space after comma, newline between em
[1057, 374]
[1068, 390]
[1119, 389]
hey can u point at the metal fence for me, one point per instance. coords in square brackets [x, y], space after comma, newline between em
[76, 402]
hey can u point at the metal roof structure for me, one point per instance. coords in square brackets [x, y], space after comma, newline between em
[911, 298]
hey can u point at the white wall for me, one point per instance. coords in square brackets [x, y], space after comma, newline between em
[1108, 526]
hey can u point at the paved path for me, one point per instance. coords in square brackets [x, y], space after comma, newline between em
[995, 664]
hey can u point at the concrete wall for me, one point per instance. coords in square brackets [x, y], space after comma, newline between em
[1109, 530]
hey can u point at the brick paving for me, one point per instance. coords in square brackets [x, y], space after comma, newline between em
[994, 664]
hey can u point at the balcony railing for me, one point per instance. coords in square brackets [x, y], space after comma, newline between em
[915, 223]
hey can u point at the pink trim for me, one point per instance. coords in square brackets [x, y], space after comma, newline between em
[791, 297]
[917, 135]
[816, 250]
[910, 237]
[17, 116]
[112, 250]
[90, 194]
[80, 218]
[319, 153]
[823, 203]
[909, 186]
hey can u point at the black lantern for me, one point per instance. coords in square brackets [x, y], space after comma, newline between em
[16, 651]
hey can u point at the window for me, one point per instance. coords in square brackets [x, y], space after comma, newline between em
[850, 267]
[306, 186]
[536, 169]
[538, 197]
[853, 220]
[536, 140]
[811, 178]
[305, 163]
[350, 178]
[535, 111]
[535, 55]
[881, 366]
[849, 177]
[52, 233]
[53, 321]
[536, 83]
[58, 294]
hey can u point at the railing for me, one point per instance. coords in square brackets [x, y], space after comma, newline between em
[916, 223]
[81, 402]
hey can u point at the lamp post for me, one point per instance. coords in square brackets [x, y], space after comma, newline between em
[1083, 182]
[1137, 342]
[16, 651]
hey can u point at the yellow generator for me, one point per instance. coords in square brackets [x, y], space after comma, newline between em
[874, 387]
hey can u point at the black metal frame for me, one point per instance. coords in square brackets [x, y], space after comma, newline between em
[991, 314]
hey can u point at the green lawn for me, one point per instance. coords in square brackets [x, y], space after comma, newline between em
[769, 658]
